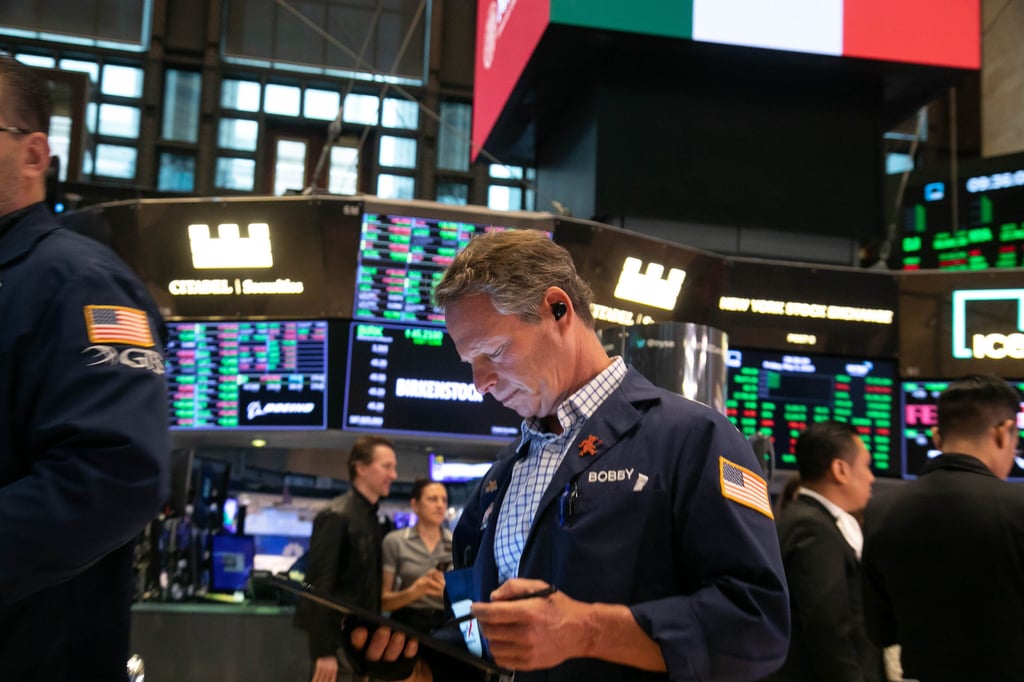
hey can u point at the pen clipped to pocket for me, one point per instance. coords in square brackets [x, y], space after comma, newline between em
[567, 504]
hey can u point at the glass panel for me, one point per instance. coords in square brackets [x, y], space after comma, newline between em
[177, 173]
[361, 109]
[119, 121]
[498, 170]
[453, 136]
[90, 117]
[60, 142]
[122, 81]
[91, 68]
[235, 173]
[397, 151]
[344, 173]
[238, 133]
[400, 113]
[282, 99]
[395, 186]
[321, 104]
[240, 95]
[87, 162]
[453, 193]
[181, 105]
[501, 198]
[37, 60]
[290, 166]
[115, 161]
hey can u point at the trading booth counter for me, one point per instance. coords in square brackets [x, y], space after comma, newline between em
[219, 643]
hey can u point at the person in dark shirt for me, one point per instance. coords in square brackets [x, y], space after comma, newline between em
[84, 445]
[944, 554]
[344, 557]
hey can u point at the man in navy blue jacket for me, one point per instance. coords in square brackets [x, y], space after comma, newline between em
[83, 425]
[644, 509]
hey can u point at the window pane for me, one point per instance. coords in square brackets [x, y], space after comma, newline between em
[87, 162]
[91, 68]
[395, 186]
[122, 81]
[119, 121]
[177, 173]
[502, 198]
[90, 117]
[290, 167]
[344, 171]
[115, 161]
[321, 104]
[397, 151]
[60, 142]
[235, 173]
[498, 170]
[240, 95]
[361, 109]
[453, 193]
[238, 133]
[181, 105]
[453, 136]
[400, 113]
[37, 60]
[281, 99]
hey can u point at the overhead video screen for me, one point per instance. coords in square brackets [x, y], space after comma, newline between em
[401, 259]
[247, 375]
[919, 408]
[411, 380]
[780, 394]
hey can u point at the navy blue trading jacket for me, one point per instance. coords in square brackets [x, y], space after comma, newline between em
[84, 448]
[651, 529]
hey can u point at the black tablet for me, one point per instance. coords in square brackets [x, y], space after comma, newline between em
[458, 653]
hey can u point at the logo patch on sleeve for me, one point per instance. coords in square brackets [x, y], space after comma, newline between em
[742, 485]
[117, 324]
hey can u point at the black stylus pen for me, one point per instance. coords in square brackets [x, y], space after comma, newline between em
[539, 594]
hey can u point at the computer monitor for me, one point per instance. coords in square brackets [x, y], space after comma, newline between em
[231, 562]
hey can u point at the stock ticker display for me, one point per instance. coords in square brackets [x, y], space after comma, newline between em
[990, 229]
[401, 259]
[411, 380]
[779, 394]
[247, 375]
[919, 403]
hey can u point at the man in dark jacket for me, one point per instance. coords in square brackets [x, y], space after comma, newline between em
[345, 554]
[821, 546]
[84, 449]
[944, 555]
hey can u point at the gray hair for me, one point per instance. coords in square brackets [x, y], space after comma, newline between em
[514, 268]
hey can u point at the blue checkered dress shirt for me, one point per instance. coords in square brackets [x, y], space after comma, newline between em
[532, 474]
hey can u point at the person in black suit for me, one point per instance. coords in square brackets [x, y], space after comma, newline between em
[944, 555]
[821, 542]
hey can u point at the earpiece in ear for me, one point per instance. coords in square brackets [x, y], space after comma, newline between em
[558, 310]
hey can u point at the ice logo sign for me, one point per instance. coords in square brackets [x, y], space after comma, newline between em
[649, 288]
[986, 344]
[229, 249]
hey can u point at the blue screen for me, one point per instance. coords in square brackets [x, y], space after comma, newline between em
[231, 559]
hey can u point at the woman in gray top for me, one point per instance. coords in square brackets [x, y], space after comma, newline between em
[415, 558]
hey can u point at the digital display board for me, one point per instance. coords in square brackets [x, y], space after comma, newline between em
[401, 259]
[247, 375]
[410, 379]
[780, 394]
[919, 407]
[989, 231]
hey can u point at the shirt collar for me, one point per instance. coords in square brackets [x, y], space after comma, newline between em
[834, 509]
[580, 406]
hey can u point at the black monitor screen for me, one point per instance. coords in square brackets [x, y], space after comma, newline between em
[401, 258]
[247, 375]
[410, 379]
[919, 404]
[778, 394]
[231, 558]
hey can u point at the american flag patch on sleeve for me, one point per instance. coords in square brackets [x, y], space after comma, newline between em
[742, 485]
[117, 324]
